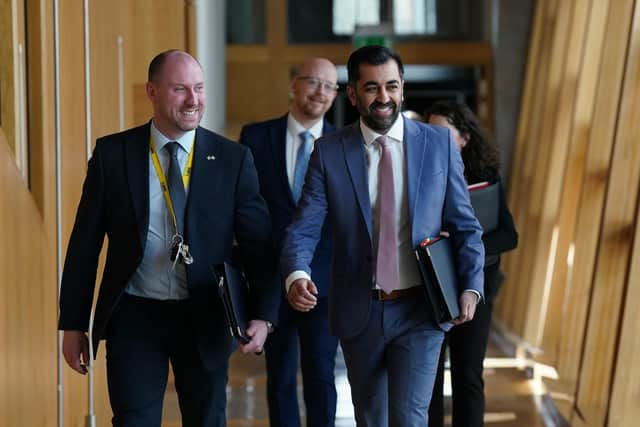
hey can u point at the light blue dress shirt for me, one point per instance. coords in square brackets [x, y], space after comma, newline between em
[156, 276]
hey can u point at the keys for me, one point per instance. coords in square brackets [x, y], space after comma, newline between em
[185, 254]
[179, 251]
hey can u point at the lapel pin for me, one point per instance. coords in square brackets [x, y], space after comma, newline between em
[211, 157]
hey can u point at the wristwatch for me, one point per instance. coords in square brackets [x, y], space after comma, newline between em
[270, 327]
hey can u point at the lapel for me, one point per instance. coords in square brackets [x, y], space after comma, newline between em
[206, 174]
[278, 142]
[353, 147]
[136, 154]
[327, 127]
[416, 148]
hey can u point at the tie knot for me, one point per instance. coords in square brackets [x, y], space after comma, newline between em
[172, 148]
[306, 137]
[383, 141]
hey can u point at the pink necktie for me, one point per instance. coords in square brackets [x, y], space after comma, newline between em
[387, 270]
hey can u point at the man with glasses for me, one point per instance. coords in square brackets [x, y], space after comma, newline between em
[281, 148]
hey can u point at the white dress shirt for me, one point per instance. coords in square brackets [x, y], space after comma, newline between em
[409, 273]
[294, 128]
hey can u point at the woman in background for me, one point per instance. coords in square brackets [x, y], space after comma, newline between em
[468, 341]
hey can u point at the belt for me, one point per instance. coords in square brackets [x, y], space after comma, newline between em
[380, 295]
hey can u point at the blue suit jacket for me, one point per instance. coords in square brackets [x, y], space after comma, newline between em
[268, 141]
[336, 186]
[223, 203]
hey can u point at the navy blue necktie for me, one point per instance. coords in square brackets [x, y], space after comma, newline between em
[302, 161]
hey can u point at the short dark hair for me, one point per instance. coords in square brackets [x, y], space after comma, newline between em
[155, 66]
[480, 155]
[372, 55]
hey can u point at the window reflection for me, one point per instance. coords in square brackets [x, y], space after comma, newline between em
[415, 17]
[246, 22]
[347, 14]
[450, 19]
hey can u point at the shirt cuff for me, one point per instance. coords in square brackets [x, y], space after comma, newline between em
[298, 274]
[475, 292]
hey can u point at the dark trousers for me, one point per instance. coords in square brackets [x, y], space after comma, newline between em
[317, 361]
[467, 346]
[143, 337]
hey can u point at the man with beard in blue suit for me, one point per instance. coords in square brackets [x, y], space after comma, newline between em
[281, 148]
[385, 183]
[171, 197]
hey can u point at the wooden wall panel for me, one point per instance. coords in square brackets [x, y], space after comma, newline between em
[534, 72]
[28, 357]
[524, 173]
[244, 78]
[613, 250]
[41, 110]
[156, 25]
[577, 196]
[110, 23]
[74, 162]
[8, 76]
[625, 410]
[561, 302]
[586, 235]
[543, 325]
[537, 232]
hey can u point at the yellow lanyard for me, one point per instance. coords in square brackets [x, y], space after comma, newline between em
[186, 176]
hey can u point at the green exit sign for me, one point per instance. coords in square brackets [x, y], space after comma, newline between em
[369, 40]
[369, 35]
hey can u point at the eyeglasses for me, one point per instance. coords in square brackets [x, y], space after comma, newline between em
[315, 84]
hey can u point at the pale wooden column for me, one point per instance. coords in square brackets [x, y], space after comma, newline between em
[613, 251]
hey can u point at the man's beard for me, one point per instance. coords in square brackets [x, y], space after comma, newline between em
[377, 124]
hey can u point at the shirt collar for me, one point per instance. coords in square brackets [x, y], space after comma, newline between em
[396, 132]
[160, 140]
[295, 128]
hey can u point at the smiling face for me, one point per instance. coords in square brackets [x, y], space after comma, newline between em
[377, 94]
[314, 88]
[177, 95]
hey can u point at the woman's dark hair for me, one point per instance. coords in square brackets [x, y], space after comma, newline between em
[480, 155]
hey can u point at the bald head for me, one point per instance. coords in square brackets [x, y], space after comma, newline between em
[314, 87]
[176, 91]
[157, 63]
[318, 66]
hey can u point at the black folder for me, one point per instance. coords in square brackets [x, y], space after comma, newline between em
[485, 200]
[234, 293]
[438, 271]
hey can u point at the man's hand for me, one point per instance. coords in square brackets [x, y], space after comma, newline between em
[302, 295]
[258, 332]
[468, 302]
[75, 348]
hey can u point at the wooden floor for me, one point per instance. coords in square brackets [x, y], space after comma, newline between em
[510, 398]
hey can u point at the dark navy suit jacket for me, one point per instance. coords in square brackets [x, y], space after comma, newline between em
[336, 187]
[224, 202]
[267, 141]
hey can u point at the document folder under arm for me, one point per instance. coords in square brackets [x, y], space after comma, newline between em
[485, 200]
[234, 293]
[438, 271]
